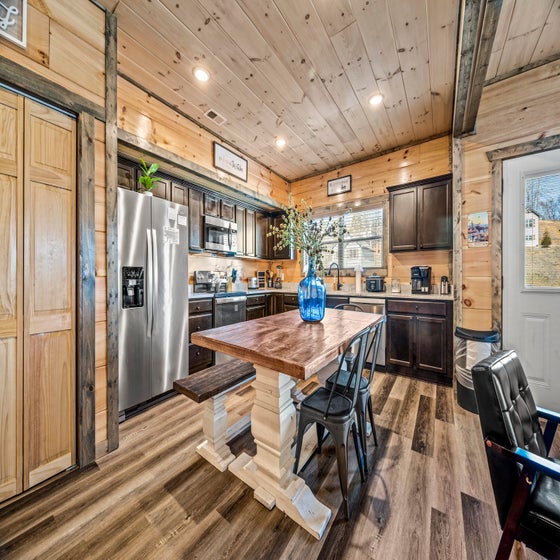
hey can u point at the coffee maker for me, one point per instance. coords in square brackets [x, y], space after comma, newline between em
[421, 279]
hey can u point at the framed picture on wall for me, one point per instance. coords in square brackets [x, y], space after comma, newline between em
[228, 161]
[339, 186]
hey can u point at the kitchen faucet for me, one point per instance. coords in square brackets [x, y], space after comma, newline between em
[338, 284]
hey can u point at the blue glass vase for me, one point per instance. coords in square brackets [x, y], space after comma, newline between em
[312, 296]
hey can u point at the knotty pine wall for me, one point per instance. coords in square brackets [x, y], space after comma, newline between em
[65, 44]
[149, 119]
[520, 109]
[371, 178]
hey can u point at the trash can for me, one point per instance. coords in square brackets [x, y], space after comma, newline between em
[471, 347]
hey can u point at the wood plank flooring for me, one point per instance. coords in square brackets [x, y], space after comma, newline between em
[428, 495]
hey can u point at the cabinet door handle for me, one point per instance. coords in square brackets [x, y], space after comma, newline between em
[198, 328]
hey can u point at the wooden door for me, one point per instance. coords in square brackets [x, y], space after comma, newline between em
[11, 266]
[403, 224]
[49, 293]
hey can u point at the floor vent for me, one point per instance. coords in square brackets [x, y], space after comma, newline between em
[216, 117]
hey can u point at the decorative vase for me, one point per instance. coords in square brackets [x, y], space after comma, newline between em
[312, 296]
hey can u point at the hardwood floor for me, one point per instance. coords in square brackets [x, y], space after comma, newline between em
[428, 495]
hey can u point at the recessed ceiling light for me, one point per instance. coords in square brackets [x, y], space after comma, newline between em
[375, 99]
[201, 74]
[280, 142]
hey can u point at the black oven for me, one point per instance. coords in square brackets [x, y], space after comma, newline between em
[220, 235]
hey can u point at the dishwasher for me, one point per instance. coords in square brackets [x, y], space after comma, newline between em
[229, 308]
[373, 305]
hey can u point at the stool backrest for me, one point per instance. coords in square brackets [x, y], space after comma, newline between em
[358, 347]
[375, 333]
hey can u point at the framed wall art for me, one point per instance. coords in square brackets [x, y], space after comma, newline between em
[230, 162]
[339, 186]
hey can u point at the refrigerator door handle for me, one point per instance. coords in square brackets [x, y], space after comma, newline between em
[155, 271]
[149, 283]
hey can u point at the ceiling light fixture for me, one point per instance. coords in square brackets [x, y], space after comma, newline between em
[280, 142]
[375, 99]
[201, 74]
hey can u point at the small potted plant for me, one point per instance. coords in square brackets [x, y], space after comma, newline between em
[147, 179]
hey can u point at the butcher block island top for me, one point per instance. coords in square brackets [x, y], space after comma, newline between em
[286, 343]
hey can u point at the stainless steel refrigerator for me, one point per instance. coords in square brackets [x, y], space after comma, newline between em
[153, 296]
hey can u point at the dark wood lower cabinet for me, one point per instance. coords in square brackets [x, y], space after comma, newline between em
[256, 306]
[290, 301]
[419, 339]
[200, 319]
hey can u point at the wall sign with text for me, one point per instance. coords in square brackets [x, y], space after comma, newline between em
[340, 185]
[13, 21]
[230, 162]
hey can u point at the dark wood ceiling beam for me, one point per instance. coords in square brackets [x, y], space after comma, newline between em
[480, 20]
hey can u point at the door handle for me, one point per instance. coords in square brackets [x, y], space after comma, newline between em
[149, 283]
[155, 273]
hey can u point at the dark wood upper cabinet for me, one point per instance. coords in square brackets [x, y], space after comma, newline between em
[179, 194]
[227, 210]
[250, 233]
[261, 240]
[403, 218]
[241, 230]
[211, 205]
[434, 216]
[280, 254]
[126, 176]
[420, 216]
[196, 220]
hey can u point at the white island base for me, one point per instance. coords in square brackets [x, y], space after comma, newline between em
[269, 472]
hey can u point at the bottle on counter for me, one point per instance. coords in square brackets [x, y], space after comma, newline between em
[358, 279]
[444, 286]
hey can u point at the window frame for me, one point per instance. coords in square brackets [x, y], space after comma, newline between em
[336, 210]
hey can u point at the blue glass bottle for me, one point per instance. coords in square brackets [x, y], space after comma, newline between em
[312, 295]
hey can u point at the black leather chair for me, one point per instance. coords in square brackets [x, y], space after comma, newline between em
[525, 480]
[335, 412]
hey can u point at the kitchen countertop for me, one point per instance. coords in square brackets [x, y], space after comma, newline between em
[341, 293]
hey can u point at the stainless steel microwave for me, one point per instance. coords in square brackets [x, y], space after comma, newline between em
[220, 235]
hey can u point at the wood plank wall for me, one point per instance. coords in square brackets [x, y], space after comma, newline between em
[371, 178]
[520, 109]
[66, 45]
[149, 119]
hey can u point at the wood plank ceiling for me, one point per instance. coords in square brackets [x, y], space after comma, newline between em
[304, 70]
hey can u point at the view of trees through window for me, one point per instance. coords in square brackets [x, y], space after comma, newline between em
[542, 231]
[362, 243]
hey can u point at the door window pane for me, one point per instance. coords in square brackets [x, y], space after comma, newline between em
[542, 231]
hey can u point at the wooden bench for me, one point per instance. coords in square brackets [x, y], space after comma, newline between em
[211, 386]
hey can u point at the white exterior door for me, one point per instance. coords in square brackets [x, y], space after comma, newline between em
[531, 270]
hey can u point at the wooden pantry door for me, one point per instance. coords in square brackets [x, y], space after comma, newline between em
[49, 341]
[11, 324]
